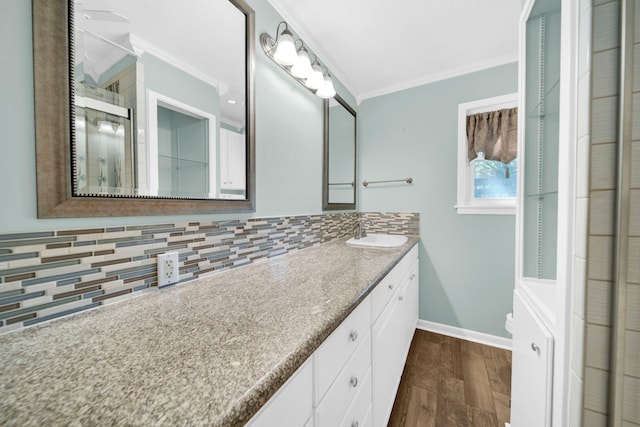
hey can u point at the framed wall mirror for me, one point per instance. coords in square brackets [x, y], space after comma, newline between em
[340, 147]
[144, 109]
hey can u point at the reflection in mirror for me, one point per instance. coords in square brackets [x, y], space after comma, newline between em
[159, 97]
[339, 189]
[150, 105]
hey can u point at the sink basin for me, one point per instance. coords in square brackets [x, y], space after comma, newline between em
[379, 241]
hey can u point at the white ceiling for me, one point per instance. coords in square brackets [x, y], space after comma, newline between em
[375, 47]
[208, 44]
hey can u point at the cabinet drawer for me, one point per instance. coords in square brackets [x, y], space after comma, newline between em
[340, 345]
[406, 263]
[349, 382]
[386, 289]
[292, 405]
[360, 408]
[383, 292]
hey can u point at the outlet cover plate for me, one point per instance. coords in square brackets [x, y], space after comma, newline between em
[168, 269]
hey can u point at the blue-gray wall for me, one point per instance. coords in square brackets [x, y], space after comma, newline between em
[288, 134]
[467, 261]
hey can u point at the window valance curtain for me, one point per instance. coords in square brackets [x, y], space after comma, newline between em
[494, 133]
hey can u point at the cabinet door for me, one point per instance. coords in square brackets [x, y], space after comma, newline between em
[532, 367]
[391, 334]
[410, 311]
[387, 363]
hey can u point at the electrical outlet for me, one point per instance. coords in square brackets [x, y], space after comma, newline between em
[167, 268]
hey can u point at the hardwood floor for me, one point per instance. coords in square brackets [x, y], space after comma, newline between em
[452, 382]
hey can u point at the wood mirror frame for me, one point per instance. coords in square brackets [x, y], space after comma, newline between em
[52, 47]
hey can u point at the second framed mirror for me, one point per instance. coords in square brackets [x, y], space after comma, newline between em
[340, 148]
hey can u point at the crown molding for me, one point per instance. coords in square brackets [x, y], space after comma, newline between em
[444, 75]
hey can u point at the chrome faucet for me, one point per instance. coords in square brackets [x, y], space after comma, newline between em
[360, 229]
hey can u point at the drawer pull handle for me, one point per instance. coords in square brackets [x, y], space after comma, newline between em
[354, 381]
[413, 276]
[355, 424]
[535, 348]
[401, 298]
[390, 287]
[353, 335]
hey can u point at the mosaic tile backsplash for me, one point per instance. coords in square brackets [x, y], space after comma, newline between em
[49, 274]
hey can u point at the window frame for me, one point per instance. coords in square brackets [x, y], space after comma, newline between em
[466, 202]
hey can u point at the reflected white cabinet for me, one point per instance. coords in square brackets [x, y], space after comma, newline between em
[232, 160]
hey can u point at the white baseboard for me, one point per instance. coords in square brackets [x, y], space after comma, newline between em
[465, 334]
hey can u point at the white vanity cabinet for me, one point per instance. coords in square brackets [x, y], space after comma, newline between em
[232, 160]
[343, 364]
[292, 405]
[392, 331]
[352, 378]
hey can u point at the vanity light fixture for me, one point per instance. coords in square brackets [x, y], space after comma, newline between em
[297, 62]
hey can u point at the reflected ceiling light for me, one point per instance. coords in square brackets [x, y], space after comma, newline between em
[120, 130]
[231, 101]
[105, 127]
[298, 64]
[80, 123]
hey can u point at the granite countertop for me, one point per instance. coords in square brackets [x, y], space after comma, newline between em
[208, 352]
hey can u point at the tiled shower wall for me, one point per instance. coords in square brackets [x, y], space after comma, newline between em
[49, 274]
[602, 185]
[612, 362]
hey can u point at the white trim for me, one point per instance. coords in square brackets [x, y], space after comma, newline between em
[336, 70]
[560, 289]
[466, 203]
[465, 334]
[143, 46]
[155, 99]
[444, 75]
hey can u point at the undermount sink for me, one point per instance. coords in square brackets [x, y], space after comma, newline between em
[379, 241]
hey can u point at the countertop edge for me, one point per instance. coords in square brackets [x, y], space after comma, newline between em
[256, 397]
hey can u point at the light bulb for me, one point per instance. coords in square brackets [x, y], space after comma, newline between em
[316, 79]
[302, 67]
[327, 90]
[105, 127]
[285, 49]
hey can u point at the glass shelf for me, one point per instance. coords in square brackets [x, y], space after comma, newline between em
[549, 100]
[542, 195]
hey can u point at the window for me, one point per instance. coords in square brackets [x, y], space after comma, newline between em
[487, 183]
